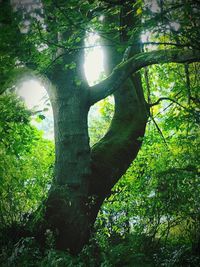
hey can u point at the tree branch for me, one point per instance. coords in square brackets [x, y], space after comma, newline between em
[188, 45]
[134, 64]
[165, 98]
[159, 130]
[187, 74]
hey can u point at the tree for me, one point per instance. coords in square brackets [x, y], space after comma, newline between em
[51, 43]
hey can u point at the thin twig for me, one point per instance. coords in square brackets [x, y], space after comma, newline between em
[159, 130]
[188, 82]
[168, 43]
[165, 98]
[47, 41]
[146, 75]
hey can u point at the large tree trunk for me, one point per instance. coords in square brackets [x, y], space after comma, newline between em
[66, 211]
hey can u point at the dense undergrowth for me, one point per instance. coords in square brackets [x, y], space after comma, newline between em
[130, 250]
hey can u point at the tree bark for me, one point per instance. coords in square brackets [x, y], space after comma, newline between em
[114, 153]
[66, 210]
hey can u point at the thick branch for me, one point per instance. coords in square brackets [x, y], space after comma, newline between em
[134, 64]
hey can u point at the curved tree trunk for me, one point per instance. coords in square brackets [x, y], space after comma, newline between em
[112, 156]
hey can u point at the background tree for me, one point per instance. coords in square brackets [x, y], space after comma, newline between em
[26, 166]
[52, 44]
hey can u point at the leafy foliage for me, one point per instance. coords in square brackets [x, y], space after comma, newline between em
[26, 162]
